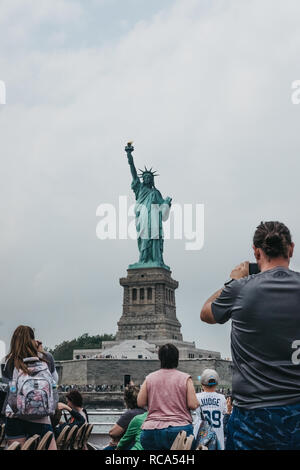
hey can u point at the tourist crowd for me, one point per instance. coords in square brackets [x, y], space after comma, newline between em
[264, 308]
[91, 388]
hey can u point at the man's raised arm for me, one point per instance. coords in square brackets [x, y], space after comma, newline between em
[223, 300]
[206, 314]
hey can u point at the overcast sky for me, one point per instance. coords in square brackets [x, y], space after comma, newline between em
[203, 87]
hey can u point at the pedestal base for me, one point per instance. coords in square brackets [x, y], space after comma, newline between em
[149, 308]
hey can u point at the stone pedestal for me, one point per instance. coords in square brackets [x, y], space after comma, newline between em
[149, 308]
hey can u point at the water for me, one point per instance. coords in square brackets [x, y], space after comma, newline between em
[104, 419]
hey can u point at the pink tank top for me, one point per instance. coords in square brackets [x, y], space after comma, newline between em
[167, 402]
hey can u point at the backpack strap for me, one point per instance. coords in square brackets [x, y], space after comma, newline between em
[6, 370]
[25, 360]
[31, 359]
[15, 374]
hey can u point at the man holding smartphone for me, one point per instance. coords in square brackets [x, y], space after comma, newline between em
[265, 343]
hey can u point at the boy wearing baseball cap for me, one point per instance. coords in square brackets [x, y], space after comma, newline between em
[213, 405]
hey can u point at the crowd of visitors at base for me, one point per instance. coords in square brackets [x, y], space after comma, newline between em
[264, 412]
[91, 388]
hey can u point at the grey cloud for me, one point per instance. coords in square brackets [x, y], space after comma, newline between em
[204, 91]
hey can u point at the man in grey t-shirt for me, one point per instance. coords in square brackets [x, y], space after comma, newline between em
[265, 343]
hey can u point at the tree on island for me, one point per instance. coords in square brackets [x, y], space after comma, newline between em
[64, 350]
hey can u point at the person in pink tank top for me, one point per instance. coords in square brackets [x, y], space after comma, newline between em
[169, 395]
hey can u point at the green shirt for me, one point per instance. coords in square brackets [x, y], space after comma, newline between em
[131, 438]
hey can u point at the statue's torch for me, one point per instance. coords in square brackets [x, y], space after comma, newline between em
[129, 148]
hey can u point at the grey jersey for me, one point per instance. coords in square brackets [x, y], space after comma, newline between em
[265, 337]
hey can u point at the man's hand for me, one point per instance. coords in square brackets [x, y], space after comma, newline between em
[242, 270]
[229, 405]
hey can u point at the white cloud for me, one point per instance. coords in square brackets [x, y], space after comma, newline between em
[21, 19]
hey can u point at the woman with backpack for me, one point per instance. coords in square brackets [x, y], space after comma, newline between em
[32, 396]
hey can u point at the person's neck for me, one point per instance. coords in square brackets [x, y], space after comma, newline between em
[209, 389]
[274, 263]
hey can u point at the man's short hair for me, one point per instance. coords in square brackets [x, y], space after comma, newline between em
[274, 238]
[75, 397]
[130, 396]
[168, 355]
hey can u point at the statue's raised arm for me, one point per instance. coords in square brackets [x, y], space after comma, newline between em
[129, 149]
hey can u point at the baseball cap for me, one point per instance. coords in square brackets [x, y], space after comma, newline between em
[209, 377]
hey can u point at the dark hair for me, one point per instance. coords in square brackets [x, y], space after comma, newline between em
[168, 355]
[22, 345]
[130, 396]
[273, 238]
[75, 398]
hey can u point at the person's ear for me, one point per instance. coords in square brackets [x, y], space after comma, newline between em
[291, 250]
[256, 252]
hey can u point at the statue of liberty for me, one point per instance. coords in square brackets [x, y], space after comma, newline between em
[150, 212]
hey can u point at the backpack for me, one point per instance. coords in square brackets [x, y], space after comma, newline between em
[33, 395]
[206, 435]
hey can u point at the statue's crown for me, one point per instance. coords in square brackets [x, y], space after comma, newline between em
[146, 171]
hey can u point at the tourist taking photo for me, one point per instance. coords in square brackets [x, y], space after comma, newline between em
[265, 335]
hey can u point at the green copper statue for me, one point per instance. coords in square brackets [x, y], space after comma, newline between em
[150, 212]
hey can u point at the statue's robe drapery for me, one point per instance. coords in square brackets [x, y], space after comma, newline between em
[150, 211]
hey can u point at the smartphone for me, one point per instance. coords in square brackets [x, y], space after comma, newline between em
[253, 268]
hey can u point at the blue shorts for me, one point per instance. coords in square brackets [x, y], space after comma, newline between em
[162, 439]
[274, 428]
[18, 429]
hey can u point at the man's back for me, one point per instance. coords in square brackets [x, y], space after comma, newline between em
[265, 338]
[213, 406]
